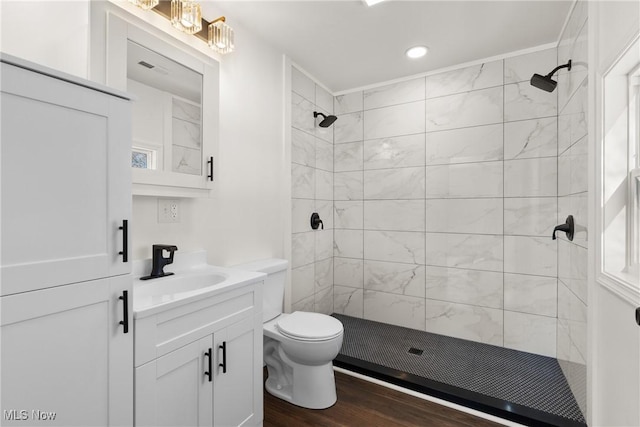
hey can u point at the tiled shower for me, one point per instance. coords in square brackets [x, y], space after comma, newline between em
[445, 192]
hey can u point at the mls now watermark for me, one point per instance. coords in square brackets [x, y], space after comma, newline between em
[24, 415]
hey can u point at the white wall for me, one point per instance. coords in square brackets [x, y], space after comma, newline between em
[52, 33]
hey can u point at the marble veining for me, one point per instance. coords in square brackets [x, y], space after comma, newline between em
[531, 177]
[465, 145]
[348, 103]
[348, 186]
[323, 244]
[520, 68]
[531, 333]
[478, 107]
[465, 79]
[531, 294]
[393, 94]
[186, 160]
[483, 288]
[480, 324]
[348, 243]
[324, 185]
[348, 214]
[473, 251]
[302, 249]
[302, 282]
[348, 128]
[472, 216]
[303, 148]
[302, 85]
[348, 157]
[300, 211]
[395, 278]
[323, 273]
[186, 111]
[401, 310]
[400, 183]
[530, 255]
[302, 114]
[323, 301]
[348, 272]
[348, 301]
[531, 138]
[186, 134]
[303, 181]
[394, 152]
[523, 101]
[465, 180]
[397, 120]
[324, 155]
[530, 216]
[324, 100]
[397, 215]
[395, 246]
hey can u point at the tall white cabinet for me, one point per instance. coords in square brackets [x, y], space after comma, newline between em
[65, 283]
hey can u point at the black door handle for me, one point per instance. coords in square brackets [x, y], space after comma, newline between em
[223, 365]
[125, 240]
[125, 311]
[210, 164]
[208, 373]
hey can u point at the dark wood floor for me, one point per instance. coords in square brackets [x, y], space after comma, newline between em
[361, 403]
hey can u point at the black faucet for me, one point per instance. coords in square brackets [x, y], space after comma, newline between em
[567, 227]
[158, 261]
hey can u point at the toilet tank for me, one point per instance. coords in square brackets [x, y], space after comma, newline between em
[273, 289]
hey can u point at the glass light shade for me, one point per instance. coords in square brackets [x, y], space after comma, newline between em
[145, 4]
[186, 16]
[221, 36]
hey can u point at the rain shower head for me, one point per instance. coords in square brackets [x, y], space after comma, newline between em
[326, 121]
[546, 83]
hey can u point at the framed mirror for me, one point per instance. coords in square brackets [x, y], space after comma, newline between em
[175, 112]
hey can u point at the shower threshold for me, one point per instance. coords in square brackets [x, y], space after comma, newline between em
[523, 387]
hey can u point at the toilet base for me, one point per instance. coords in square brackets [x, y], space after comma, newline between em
[313, 387]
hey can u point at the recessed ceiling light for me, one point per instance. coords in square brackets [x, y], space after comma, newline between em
[416, 52]
[372, 2]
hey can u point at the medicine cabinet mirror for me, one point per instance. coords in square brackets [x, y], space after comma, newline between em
[175, 112]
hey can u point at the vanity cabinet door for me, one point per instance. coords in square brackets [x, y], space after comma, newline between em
[237, 393]
[65, 181]
[66, 360]
[174, 390]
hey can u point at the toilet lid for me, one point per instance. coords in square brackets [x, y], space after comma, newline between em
[310, 326]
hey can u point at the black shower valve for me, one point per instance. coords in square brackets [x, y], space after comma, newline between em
[567, 227]
[316, 221]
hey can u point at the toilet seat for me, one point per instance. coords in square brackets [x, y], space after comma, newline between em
[304, 326]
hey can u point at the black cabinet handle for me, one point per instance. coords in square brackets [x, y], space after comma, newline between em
[125, 240]
[223, 365]
[125, 311]
[210, 164]
[208, 373]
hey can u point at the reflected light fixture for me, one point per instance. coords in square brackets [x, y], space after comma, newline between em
[416, 52]
[186, 16]
[372, 2]
[145, 4]
[221, 36]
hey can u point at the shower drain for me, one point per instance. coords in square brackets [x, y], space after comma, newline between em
[416, 351]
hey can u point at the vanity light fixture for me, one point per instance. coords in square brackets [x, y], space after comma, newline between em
[145, 4]
[221, 36]
[416, 52]
[186, 16]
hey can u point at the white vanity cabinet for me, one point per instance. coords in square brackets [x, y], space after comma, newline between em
[200, 363]
[66, 312]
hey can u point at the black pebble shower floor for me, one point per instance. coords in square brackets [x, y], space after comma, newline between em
[520, 386]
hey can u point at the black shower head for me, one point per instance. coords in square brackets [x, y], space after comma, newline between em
[327, 121]
[546, 82]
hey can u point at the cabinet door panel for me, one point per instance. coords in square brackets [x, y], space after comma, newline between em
[59, 349]
[236, 401]
[173, 390]
[62, 184]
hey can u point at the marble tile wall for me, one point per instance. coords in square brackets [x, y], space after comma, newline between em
[572, 200]
[445, 195]
[312, 191]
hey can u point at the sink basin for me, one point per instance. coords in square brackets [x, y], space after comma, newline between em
[193, 279]
[178, 284]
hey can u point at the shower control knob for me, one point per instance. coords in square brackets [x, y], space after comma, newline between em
[316, 221]
[638, 316]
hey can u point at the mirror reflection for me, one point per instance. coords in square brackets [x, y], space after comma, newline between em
[167, 115]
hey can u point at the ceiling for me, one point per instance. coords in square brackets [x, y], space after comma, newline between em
[346, 44]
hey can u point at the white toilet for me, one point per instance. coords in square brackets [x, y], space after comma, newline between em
[298, 347]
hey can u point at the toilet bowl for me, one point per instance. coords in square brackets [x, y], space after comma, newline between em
[299, 348]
